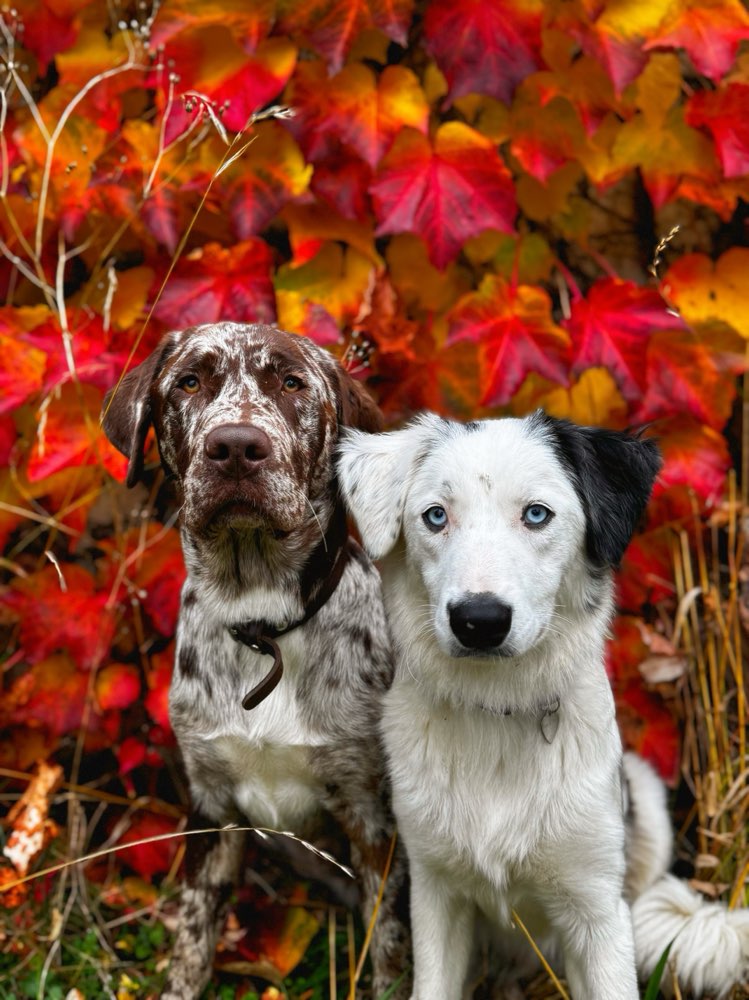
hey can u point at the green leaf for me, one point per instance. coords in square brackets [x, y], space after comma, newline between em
[651, 991]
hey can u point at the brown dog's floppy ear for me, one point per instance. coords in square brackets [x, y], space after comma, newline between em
[356, 408]
[126, 413]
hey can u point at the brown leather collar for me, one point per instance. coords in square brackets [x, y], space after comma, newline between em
[261, 636]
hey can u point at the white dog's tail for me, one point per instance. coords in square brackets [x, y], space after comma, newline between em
[710, 949]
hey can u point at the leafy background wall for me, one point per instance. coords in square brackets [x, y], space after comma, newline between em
[482, 207]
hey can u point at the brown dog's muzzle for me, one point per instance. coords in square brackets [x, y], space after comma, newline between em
[236, 451]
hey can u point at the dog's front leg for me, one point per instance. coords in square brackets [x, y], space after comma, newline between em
[599, 954]
[442, 929]
[212, 866]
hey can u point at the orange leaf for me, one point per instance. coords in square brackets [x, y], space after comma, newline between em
[69, 434]
[51, 695]
[273, 172]
[117, 686]
[691, 374]
[21, 371]
[319, 297]
[694, 456]
[710, 33]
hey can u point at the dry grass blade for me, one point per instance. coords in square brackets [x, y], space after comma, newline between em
[95, 855]
[373, 918]
[548, 969]
[711, 572]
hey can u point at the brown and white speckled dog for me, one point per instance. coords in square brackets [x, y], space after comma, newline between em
[247, 419]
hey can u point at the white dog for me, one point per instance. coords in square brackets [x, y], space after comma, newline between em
[498, 540]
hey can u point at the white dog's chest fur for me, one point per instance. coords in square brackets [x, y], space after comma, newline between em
[499, 802]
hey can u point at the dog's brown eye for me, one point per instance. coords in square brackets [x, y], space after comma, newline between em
[190, 384]
[292, 384]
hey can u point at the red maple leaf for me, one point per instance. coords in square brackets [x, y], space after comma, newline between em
[446, 191]
[710, 33]
[649, 728]
[68, 614]
[48, 28]
[332, 26]
[8, 438]
[646, 574]
[611, 328]
[723, 112]
[158, 678]
[158, 575]
[517, 335]
[152, 858]
[686, 374]
[344, 184]
[97, 358]
[483, 46]
[354, 110]
[214, 283]
[259, 81]
[619, 52]
[695, 457]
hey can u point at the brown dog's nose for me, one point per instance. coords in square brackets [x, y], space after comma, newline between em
[237, 449]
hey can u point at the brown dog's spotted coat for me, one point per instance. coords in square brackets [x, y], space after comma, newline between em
[247, 419]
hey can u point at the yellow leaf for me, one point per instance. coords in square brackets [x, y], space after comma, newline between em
[335, 279]
[631, 19]
[276, 158]
[93, 52]
[542, 202]
[487, 115]
[658, 87]
[705, 292]
[418, 282]
[664, 152]
[593, 399]
[129, 298]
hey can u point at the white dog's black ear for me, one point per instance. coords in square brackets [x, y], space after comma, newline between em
[614, 474]
[374, 471]
[126, 413]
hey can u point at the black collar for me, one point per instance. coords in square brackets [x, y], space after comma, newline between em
[261, 636]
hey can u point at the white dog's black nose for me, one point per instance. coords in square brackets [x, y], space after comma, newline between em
[480, 621]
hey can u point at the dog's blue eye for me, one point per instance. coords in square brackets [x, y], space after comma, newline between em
[536, 514]
[435, 518]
